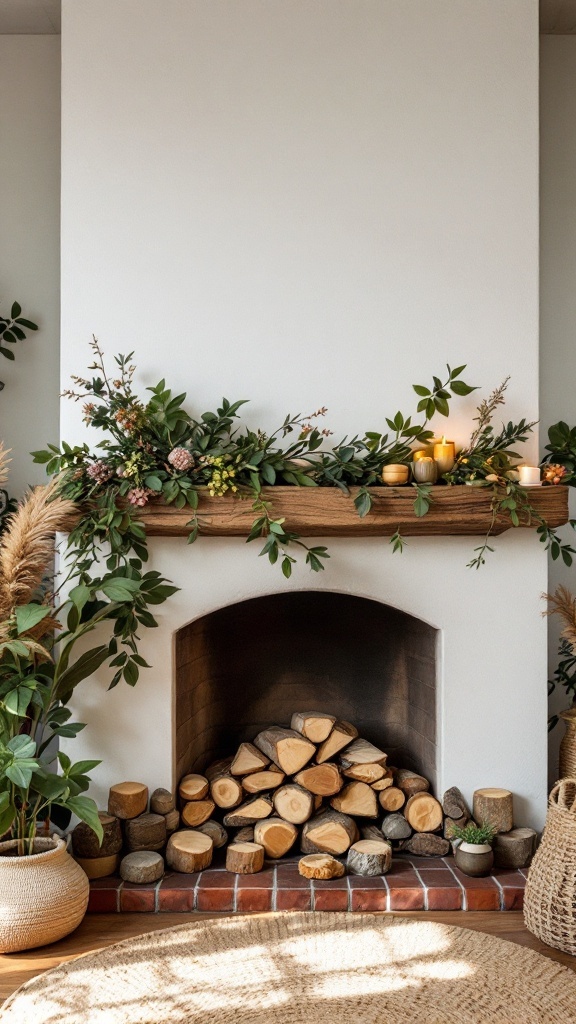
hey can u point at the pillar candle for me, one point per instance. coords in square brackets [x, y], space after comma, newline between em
[444, 456]
[529, 476]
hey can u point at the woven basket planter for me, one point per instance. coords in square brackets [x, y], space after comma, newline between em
[567, 761]
[550, 896]
[42, 897]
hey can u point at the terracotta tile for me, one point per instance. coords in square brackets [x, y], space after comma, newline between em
[137, 899]
[427, 863]
[371, 882]
[438, 878]
[249, 900]
[293, 899]
[332, 883]
[509, 877]
[102, 901]
[474, 883]
[261, 880]
[110, 882]
[369, 900]
[330, 899]
[445, 897]
[177, 900]
[287, 877]
[406, 898]
[483, 899]
[513, 899]
[217, 880]
[217, 900]
[404, 879]
[179, 880]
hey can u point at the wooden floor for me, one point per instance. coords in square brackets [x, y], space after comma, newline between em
[99, 930]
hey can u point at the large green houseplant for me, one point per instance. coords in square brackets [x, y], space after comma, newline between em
[44, 656]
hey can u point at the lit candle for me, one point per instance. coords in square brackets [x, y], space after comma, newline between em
[444, 456]
[425, 470]
[529, 476]
[425, 453]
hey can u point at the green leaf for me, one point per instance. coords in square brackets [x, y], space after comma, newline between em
[120, 589]
[287, 567]
[460, 388]
[85, 809]
[420, 390]
[15, 311]
[20, 773]
[80, 595]
[363, 503]
[153, 482]
[22, 746]
[85, 666]
[29, 615]
[7, 813]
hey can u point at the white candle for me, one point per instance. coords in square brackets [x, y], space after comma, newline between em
[529, 476]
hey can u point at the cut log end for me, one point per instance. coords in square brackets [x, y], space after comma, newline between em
[244, 858]
[321, 866]
[189, 851]
[369, 857]
[142, 867]
[193, 787]
[127, 800]
[314, 725]
[423, 812]
[493, 807]
[276, 836]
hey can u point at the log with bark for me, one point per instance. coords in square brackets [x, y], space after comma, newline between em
[146, 832]
[328, 832]
[369, 857]
[514, 849]
[244, 858]
[410, 783]
[99, 867]
[493, 807]
[286, 748]
[162, 801]
[396, 827]
[316, 726]
[193, 787]
[127, 800]
[342, 734]
[276, 836]
[427, 844]
[225, 790]
[391, 799]
[216, 831]
[369, 773]
[360, 751]
[196, 812]
[249, 813]
[172, 819]
[189, 851]
[142, 867]
[85, 841]
[454, 805]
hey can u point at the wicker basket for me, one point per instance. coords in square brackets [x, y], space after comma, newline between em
[567, 759]
[42, 897]
[550, 897]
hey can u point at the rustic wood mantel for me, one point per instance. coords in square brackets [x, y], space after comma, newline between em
[327, 512]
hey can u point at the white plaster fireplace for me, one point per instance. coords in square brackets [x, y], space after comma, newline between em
[312, 204]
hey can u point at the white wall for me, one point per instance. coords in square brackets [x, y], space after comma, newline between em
[29, 246]
[304, 204]
[558, 280]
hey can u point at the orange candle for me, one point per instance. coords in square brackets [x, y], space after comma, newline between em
[444, 456]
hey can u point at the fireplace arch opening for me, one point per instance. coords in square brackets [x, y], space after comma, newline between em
[252, 664]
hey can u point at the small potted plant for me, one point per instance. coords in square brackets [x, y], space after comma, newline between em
[473, 851]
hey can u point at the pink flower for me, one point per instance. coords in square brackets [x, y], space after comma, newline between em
[181, 459]
[100, 471]
[139, 496]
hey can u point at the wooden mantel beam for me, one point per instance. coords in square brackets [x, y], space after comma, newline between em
[327, 512]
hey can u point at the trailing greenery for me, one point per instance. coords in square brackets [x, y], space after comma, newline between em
[475, 834]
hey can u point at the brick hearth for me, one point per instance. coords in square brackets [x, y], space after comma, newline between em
[413, 883]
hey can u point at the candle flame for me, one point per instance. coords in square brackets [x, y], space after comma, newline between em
[443, 439]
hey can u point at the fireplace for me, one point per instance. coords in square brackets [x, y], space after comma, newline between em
[251, 664]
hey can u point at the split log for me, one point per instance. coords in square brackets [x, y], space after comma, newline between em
[162, 801]
[225, 790]
[276, 836]
[245, 835]
[392, 799]
[142, 867]
[514, 849]
[451, 823]
[369, 857]
[342, 734]
[85, 841]
[217, 768]
[146, 832]
[99, 867]
[286, 748]
[320, 779]
[423, 812]
[454, 805]
[372, 832]
[357, 799]
[250, 812]
[216, 831]
[321, 866]
[425, 844]
[189, 851]
[314, 725]
[369, 773]
[411, 783]
[248, 759]
[384, 783]
[362, 752]
[172, 820]
[261, 782]
[329, 832]
[193, 787]
[244, 858]
[395, 826]
[493, 807]
[197, 812]
[127, 799]
[293, 803]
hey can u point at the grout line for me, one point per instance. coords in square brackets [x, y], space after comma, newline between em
[464, 893]
[235, 890]
[385, 880]
[196, 887]
[120, 887]
[349, 892]
[157, 896]
[312, 895]
[422, 883]
[275, 887]
[501, 891]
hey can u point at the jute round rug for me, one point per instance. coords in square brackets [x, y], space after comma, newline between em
[313, 968]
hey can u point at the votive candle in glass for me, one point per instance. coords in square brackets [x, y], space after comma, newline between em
[529, 476]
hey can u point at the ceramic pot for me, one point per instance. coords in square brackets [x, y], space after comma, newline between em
[43, 896]
[474, 859]
[395, 474]
[425, 470]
